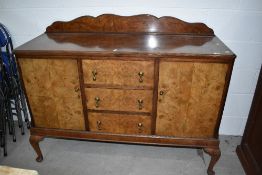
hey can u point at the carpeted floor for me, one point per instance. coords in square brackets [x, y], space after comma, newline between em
[71, 157]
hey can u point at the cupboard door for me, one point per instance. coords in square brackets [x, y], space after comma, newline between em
[189, 98]
[52, 87]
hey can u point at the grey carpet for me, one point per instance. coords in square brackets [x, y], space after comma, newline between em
[71, 157]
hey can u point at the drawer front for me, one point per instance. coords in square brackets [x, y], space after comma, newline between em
[119, 73]
[119, 123]
[119, 100]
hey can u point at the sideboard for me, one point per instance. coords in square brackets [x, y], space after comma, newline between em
[131, 79]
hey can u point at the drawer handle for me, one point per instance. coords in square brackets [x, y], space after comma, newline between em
[161, 93]
[141, 75]
[140, 127]
[94, 72]
[97, 100]
[77, 89]
[98, 125]
[140, 104]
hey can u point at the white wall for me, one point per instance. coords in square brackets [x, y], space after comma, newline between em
[237, 22]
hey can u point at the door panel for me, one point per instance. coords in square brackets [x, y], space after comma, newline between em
[189, 98]
[52, 87]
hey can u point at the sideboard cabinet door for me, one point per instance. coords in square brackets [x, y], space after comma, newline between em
[53, 91]
[189, 98]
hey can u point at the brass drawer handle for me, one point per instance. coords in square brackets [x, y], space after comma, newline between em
[140, 127]
[98, 125]
[141, 75]
[77, 89]
[94, 72]
[97, 100]
[140, 104]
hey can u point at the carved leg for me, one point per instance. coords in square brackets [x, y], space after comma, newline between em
[215, 155]
[34, 141]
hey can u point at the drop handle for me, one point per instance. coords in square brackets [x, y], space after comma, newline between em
[98, 125]
[140, 127]
[141, 75]
[97, 100]
[94, 73]
[140, 104]
[77, 89]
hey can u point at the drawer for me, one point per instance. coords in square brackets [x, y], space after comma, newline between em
[118, 72]
[119, 99]
[119, 123]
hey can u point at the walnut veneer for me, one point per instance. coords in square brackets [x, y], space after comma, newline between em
[118, 72]
[52, 88]
[137, 79]
[190, 97]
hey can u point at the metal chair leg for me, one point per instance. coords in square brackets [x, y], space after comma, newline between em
[19, 115]
[11, 120]
[24, 108]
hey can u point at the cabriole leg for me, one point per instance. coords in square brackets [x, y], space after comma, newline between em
[215, 155]
[34, 141]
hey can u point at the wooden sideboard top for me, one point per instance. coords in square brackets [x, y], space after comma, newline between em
[112, 35]
[71, 44]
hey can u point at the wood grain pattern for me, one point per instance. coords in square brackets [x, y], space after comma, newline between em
[117, 72]
[119, 100]
[119, 123]
[191, 101]
[130, 24]
[52, 88]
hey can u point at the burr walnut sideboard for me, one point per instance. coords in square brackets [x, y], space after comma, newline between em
[137, 79]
